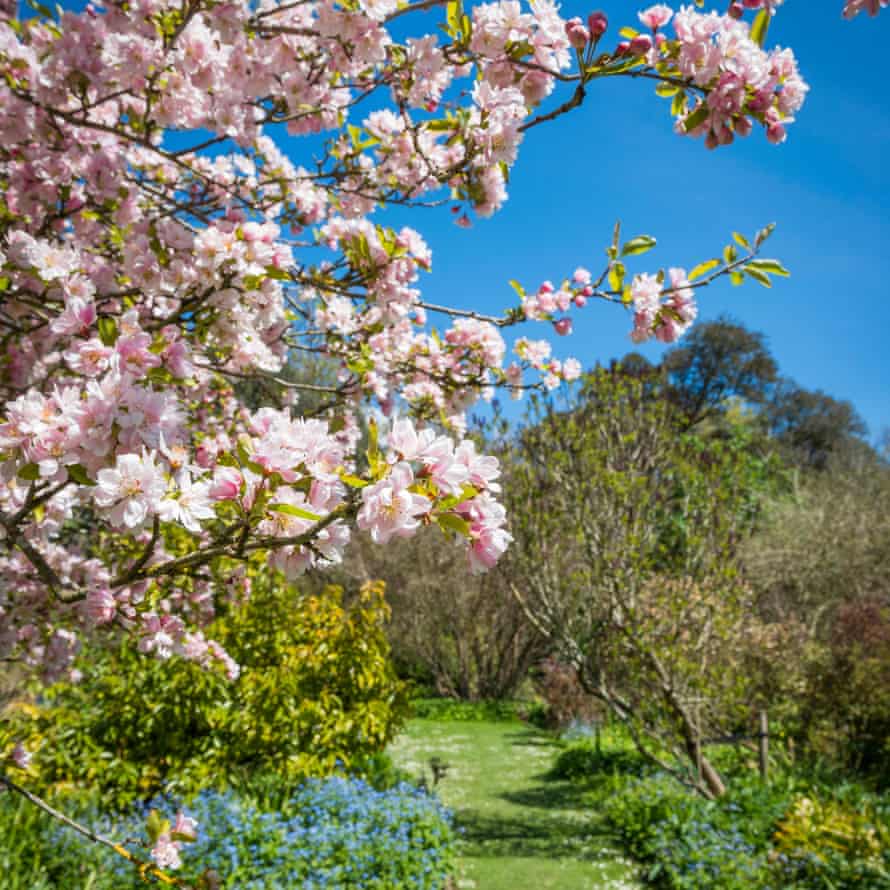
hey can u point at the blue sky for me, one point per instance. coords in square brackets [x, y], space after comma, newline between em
[827, 188]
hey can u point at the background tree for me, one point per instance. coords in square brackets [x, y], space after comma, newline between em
[462, 633]
[625, 559]
[813, 427]
[718, 362]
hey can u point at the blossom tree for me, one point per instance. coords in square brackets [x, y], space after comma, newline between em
[189, 190]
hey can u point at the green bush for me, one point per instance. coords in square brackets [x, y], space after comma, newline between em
[457, 710]
[835, 843]
[317, 693]
[757, 837]
[585, 759]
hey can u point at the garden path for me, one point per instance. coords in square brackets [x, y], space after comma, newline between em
[520, 830]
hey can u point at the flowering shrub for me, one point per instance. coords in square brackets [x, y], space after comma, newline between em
[332, 833]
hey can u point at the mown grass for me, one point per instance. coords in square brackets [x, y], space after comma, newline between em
[520, 827]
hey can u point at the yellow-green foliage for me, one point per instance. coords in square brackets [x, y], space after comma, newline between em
[317, 692]
[827, 828]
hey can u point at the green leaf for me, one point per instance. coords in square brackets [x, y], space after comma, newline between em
[638, 245]
[616, 276]
[107, 330]
[703, 269]
[291, 510]
[760, 27]
[741, 240]
[452, 16]
[730, 254]
[76, 473]
[453, 522]
[699, 116]
[29, 472]
[758, 276]
[628, 33]
[156, 825]
[4, 283]
[768, 265]
[667, 90]
[353, 481]
[517, 287]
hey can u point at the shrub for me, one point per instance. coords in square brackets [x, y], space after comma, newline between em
[564, 699]
[690, 843]
[587, 757]
[456, 710]
[835, 843]
[317, 693]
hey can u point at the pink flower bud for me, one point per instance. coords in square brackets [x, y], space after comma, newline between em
[598, 24]
[775, 133]
[226, 484]
[736, 10]
[580, 300]
[641, 44]
[578, 35]
[563, 326]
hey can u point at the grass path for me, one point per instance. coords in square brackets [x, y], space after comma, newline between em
[520, 831]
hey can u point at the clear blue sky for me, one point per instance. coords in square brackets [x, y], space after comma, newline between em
[827, 188]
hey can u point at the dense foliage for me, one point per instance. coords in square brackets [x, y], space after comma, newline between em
[800, 832]
[316, 693]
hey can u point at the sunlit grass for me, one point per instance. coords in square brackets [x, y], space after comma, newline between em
[520, 829]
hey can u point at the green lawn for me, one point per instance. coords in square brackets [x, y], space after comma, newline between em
[520, 830]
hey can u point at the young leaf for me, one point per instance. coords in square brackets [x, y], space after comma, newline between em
[453, 522]
[760, 27]
[703, 269]
[291, 510]
[107, 330]
[699, 116]
[76, 473]
[772, 266]
[759, 276]
[638, 245]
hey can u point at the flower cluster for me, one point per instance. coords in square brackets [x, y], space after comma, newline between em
[333, 833]
[740, 82]
[664, 312]
[166, 261]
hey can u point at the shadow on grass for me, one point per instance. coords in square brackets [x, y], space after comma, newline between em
[546, 837]
[530, 738]
[550, 795]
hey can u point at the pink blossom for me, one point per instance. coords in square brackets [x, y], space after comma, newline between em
[389, 509]
[100, 606]
[21, 756]
[165, 852]
[657, 16]
[872, 7]
[226, 485]
[131, 491]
